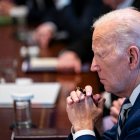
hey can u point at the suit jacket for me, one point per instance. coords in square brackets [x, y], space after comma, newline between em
[37, 12]
[19, 2]
[75, 18]
[78, 17]
[130, 131]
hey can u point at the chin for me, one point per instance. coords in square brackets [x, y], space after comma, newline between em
[113, 91]
[107, 89]
[110, 90]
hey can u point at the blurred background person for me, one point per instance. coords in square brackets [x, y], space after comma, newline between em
[7, 5]
[67, 18]
[57, 18]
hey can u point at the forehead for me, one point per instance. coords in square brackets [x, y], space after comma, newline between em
[102, 38]
[98, 43]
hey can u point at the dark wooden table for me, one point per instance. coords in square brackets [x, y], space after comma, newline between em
[55, 118]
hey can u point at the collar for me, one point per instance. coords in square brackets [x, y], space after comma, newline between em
[125, 4]
[134, 95]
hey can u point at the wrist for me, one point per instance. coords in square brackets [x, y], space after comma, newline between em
[88, 126]
[81, 132]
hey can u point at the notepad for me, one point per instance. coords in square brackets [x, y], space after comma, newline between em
[46, 64]
[40, 64]
[44, 94]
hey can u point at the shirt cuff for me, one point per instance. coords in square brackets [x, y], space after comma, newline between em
[81, 133]
[60, 4]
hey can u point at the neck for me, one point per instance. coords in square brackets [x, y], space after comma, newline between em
[134, 82]
[130, 83]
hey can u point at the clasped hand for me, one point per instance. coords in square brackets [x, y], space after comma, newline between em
[84, 110]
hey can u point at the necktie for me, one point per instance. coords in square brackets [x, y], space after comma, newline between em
[123, 116]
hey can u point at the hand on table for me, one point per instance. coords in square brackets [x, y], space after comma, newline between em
[69, 61]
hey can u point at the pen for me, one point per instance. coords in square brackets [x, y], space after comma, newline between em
[84, 92]
[81, 89]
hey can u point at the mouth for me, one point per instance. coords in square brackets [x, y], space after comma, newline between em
[102, 80]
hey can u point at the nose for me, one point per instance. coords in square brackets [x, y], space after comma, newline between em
[94, 66]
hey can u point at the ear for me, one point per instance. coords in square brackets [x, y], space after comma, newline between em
[134, 56]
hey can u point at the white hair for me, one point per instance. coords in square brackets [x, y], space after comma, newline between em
[127, 29]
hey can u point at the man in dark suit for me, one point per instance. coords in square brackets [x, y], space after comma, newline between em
[73, 17]
[117, 62]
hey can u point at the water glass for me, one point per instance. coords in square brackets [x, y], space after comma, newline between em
[22, 110]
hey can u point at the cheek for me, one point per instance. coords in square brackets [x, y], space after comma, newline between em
[119, 75]
[119, 78]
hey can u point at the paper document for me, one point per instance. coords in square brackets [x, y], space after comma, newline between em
[40, 64]
[45, 94]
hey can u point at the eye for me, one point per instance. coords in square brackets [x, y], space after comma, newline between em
[97, 55]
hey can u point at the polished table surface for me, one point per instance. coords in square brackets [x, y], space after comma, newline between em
[55, 118]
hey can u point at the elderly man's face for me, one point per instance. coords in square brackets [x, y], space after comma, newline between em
[111, 66]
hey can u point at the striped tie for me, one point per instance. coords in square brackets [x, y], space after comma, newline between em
[123, 116]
